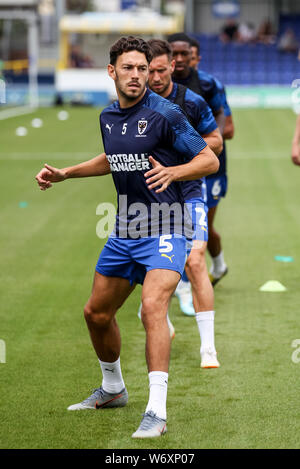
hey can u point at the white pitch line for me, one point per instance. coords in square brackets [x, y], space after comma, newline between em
[45, 156]
[15, 112]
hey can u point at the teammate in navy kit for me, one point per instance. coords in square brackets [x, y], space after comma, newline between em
[216, 184]
[149, 147]
[216, 188]
[197, 80]
[214, 93]
[201, 117]
[204, 85]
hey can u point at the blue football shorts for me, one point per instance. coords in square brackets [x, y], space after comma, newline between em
[133, 258]
[198, 213]
[216, 188]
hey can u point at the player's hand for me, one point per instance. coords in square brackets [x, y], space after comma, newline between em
[159, 176]
[296, 154]
[48, 175]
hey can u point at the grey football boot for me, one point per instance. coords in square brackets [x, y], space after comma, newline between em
[101, 399]
[151, 426]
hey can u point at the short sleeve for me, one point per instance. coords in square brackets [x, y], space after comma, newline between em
[186, 140]
[201, 113]
[211, 92]
[175, 129]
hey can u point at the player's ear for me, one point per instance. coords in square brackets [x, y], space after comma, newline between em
[173, 62]
[111, 71]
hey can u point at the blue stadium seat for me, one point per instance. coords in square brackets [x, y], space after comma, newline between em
[248, 64]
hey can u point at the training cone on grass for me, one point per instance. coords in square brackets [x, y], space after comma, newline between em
[284, 258]
[273, 286]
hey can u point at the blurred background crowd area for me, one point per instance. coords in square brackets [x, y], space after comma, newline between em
[242, 42]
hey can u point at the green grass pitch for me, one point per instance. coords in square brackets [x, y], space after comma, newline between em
[48, 251]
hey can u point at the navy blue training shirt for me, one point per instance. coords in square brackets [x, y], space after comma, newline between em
[204, 122]
[152, 127]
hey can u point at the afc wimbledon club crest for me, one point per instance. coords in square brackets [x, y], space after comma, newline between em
[142, 126]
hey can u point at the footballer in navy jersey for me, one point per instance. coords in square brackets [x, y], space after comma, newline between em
[150, 147]
[201, 117]
[197, 80]
[153, 127]
[216, 186]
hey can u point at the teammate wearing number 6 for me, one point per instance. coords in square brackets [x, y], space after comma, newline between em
[149, 147]
[216, 188]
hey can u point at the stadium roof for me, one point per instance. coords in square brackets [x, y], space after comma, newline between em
[137, 22]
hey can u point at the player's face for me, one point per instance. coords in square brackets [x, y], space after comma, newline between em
[182, 56]
[130, 74]
[195, 58]
[160, 75]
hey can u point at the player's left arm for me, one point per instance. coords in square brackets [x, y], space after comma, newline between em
[228, 132]
[203, 164]
[220, 119]
[228, 129]
[216, 104]
[296, 144]
[214, 141]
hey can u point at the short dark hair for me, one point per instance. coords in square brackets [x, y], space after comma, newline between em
[195, 43]
[127, 44]
[179, 37]
[159, 47]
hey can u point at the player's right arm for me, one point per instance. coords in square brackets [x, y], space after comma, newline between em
[160, 177]
[296, 144]
[98, 166]
[228, 131]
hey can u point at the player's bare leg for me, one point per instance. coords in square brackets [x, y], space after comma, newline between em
[196, 269]
[171, 327]
[214, 246]
[108, 295]
[203, 300]
[158, 287]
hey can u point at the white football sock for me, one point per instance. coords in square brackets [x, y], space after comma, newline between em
[205, 321]
[158, 385]
[218, 264]
[112, 381]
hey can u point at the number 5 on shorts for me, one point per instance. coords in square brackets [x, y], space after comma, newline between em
[164, 245]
